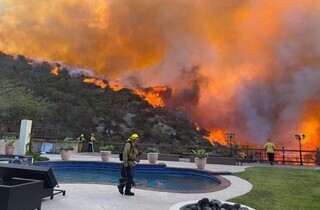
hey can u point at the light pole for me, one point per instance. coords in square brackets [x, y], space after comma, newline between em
[299, 138]
[230, 136]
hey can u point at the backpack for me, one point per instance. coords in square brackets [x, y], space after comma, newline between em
[121, 153]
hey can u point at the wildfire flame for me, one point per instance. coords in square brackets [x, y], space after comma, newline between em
[97, 82]
[116, 87]
[153, 95]
[229, 66]
[55, 71]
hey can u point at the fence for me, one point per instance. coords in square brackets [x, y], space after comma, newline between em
[282, 156]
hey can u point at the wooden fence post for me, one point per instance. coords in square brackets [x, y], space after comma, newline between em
[318, 157]
[283, 157]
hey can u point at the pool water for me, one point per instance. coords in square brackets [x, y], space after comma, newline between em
[153, 181]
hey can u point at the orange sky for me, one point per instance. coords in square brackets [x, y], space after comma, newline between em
[249, 66]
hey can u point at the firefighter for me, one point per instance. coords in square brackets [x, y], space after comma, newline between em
[269, 146]
[81, 141]
[130, 157]
[92, 140]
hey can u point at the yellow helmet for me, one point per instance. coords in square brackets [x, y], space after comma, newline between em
[134, 136]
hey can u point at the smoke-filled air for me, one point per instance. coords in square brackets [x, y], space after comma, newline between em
[251, 67]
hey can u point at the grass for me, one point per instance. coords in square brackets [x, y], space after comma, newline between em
[281, 188]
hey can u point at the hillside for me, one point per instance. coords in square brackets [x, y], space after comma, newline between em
[75, 107]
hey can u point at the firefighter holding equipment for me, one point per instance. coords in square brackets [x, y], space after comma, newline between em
[92, 140]
[81, 141]
[130, 157]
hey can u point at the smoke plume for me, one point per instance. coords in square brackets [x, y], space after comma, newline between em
[250, 67]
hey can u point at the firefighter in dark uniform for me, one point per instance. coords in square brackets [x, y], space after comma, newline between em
[92, 140]
[130, 157]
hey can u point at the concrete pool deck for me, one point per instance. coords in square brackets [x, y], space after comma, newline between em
[102, 197]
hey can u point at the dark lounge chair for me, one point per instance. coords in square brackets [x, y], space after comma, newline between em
[20, 194]
[7, 171]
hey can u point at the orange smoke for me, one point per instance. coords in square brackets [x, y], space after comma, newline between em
[311, 125]
[247, 66]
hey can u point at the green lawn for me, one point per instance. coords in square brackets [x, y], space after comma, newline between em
[281, 188]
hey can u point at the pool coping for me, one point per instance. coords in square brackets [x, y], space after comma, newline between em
[223, 182]
[101, 197]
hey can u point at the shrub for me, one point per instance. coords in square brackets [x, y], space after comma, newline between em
[200, 153]
[152, 149]
[66, 147]
[107, 148]
[9, 142]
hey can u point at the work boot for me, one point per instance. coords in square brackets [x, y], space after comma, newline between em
[120, 188]
[129, 193]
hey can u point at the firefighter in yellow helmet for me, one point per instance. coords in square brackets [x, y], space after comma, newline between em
[92, 140]
[130, 157]
[81, 141]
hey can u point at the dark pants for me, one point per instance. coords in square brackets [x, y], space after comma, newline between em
[271, 157]
[126, 179]
[91, 147]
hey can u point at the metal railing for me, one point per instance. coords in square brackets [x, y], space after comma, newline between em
[282, 156]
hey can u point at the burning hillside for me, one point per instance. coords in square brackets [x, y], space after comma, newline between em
[248, 67]
[155, 95]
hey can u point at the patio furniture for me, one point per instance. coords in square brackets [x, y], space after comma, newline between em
[20, 194]
[7, 171]
[24, 158]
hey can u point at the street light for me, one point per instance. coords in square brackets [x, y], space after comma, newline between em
[230, 136]
[299, 138]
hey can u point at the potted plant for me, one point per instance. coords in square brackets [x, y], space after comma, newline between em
[65, 151]
[152, 154]
[200, 158]
[106, 151]
[9, 148]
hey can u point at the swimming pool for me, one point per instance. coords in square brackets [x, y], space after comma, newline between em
[147, 176]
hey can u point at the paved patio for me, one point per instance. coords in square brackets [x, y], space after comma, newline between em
[102, 197]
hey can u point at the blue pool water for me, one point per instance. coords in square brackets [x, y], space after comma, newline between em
[153, 177]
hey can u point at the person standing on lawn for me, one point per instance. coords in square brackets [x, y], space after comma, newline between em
[269, 147]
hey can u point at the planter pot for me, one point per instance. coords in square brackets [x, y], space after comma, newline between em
[9, 150]
[65, 154]
[105, 155]
[200, 162]
[152, 157]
